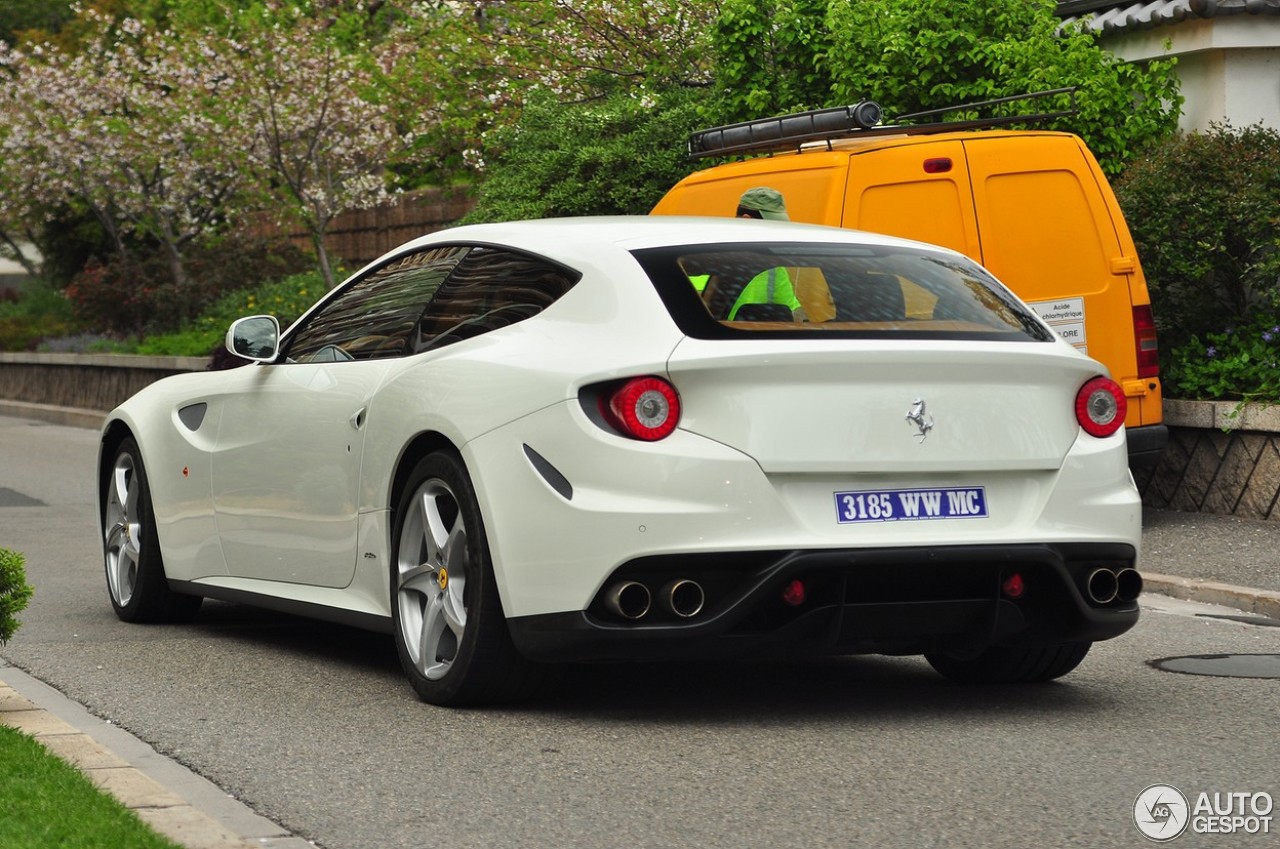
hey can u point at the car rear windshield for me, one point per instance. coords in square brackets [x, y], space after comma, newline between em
[726, 290]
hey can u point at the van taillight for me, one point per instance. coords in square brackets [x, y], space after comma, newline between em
[1144, 333]
[940, 165]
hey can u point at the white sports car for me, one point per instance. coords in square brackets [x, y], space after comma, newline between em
[642, 438]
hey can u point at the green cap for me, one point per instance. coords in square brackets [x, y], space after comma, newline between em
[768, 202]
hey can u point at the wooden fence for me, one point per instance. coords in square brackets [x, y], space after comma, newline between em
[365, 234]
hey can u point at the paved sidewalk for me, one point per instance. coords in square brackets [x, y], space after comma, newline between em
[1214, 559]
[184, 807]
[1203, 557]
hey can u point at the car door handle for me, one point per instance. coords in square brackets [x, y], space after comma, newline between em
[357, 419]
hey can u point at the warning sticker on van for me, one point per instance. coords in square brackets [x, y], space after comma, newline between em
[1066, 317]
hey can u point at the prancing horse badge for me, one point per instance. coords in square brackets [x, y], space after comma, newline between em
[921, 419]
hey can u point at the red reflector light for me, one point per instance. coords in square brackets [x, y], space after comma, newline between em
[645, 408]
[1101, 407]
[794, 593]
[1013, 586]
[1144, 333]
[941, 165]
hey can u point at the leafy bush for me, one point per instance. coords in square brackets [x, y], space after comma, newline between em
[135, 294]
[1236, 363]
[614, 156]
[1204, 209]
[38, 313]
[286, 299]
[913, 55]
[15, 592]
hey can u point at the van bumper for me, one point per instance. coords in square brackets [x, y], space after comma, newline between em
[1146, 444]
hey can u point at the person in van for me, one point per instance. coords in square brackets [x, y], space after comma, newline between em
[772, 286]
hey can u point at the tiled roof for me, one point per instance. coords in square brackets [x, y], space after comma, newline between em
[1112, 17]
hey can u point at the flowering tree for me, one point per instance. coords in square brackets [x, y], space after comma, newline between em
[17, 216]
[318, 137]
[469, 67]
[128, 128]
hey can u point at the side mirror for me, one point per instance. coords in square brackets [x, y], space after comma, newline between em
[256, 338]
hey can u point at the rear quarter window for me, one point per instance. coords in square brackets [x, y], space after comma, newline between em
[726, 290]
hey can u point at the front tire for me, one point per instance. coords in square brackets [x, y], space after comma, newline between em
[136, 580]
[1010, 664]
[450, 632]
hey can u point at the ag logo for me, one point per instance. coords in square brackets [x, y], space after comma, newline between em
[1161, 812]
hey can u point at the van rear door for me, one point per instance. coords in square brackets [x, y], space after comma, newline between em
[1048, 233]
[915, 190]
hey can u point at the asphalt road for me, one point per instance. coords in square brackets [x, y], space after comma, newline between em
[313, 725]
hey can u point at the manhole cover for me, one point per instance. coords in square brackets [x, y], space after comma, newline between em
[1223, 665]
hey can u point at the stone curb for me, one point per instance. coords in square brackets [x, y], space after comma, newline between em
[1262, 602]
[70, 416]
[166, 796]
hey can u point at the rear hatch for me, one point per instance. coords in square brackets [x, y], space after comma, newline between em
[871, 381]
[875, 405]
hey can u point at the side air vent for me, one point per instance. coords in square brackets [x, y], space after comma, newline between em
[192, 415]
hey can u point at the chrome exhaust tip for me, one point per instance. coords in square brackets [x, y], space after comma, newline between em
[683, 597]
[628, 599]
[1102, 586]
[1128, 585]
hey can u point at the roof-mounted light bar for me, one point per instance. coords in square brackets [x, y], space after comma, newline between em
[791, 132]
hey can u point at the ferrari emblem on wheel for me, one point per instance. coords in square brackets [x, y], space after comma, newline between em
[442, 578]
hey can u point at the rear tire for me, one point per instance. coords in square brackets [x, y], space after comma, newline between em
[450, 632]
[134, 565]
[1010, 664]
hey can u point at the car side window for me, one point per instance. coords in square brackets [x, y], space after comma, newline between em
[488, 289]
[376, 315]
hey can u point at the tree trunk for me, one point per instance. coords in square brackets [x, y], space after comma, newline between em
[15, 251]
[322, 256]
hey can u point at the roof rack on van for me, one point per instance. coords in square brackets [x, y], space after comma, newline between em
[791, 132]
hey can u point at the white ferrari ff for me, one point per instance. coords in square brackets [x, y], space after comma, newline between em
[641, 438]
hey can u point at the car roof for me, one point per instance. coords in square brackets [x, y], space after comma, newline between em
[551, 236]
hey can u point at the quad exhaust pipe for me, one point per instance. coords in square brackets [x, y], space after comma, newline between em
[1106, 585]
[683, 597]
[628, 599]
[632, 600]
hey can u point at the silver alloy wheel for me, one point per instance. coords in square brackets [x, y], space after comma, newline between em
[123, 529]
[432, 576]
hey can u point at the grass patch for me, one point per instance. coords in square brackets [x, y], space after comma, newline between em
[48, 803]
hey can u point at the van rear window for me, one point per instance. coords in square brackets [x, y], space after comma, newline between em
[725, 290]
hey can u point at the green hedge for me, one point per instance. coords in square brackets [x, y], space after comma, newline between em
[1204, 209]
[15, 592]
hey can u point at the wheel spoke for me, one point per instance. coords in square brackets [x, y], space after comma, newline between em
[419, 579]
[436, 640]
[435, 530]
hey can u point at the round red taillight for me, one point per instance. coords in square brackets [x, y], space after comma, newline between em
[1101, 407]
[645, 408]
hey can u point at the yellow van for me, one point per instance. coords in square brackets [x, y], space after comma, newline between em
[1031, 206]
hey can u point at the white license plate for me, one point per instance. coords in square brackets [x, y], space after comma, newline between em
[911, 505]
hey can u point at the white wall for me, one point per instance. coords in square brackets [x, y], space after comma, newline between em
[1229, 67]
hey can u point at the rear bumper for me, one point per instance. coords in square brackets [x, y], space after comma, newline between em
[892, 601]
[1146, 444]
